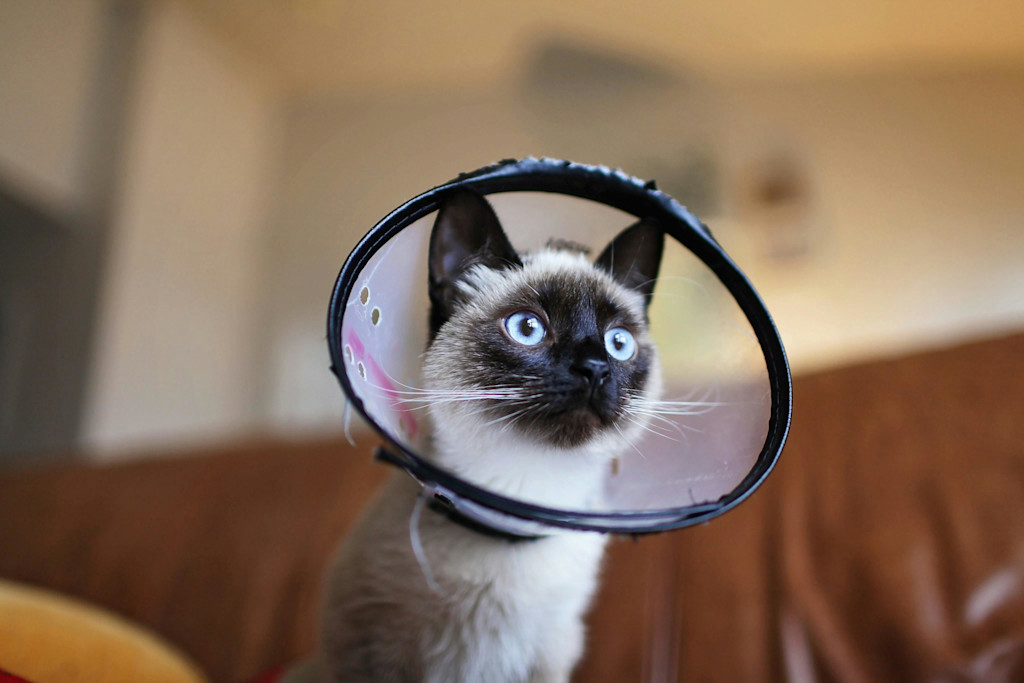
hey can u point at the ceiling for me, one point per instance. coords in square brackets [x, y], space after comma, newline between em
[330, 45]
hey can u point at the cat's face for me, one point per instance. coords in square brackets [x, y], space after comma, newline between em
[547, 347]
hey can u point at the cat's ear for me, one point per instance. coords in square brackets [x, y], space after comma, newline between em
[466, 233]
[634, 256]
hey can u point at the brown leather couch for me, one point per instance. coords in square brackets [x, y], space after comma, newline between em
[887, 546]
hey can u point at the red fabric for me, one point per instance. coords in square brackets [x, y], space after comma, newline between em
[272, 676]
[10, 678]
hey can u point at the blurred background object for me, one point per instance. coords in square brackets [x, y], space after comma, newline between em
[181, 180]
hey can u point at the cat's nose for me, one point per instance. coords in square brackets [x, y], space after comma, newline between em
[594, 370]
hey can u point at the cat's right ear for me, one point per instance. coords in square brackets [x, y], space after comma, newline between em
[466, 233]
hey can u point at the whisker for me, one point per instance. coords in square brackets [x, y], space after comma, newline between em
[416, 389]
[648, 428]
[663, 423]
[654, 416]
[668, 411]
[629, 442]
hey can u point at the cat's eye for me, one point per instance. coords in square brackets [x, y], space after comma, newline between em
[525, 327]
[619, 343]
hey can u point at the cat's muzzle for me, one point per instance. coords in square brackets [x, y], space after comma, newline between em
[576, 412]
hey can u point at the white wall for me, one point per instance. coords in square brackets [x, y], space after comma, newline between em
[348, 162]
[48, 56]
[176, 341]
[917, 183]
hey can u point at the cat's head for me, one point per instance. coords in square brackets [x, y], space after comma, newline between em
[546, 348]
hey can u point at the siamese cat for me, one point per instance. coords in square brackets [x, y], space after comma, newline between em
[537, 369]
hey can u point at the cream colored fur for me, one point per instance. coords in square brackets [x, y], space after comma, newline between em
[500, 611]
[479, 609]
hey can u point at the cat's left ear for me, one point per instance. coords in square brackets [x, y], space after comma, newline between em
[466, 233]
[634, 257]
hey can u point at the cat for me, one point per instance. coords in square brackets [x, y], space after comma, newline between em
[534, 365]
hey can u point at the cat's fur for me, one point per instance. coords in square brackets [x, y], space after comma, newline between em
[483, 608]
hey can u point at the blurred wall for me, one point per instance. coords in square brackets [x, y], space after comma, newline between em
[914, 208]
[348, 162]
[236, 199]
[49, 52]
[65, 70]
[176, 339]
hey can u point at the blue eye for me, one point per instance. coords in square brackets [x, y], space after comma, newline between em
[619, 343]
[525, 327]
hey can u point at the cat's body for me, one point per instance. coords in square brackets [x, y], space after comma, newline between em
[499, 611]
[534, 370]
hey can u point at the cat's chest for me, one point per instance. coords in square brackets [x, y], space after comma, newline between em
[528, 576]
[501, 611]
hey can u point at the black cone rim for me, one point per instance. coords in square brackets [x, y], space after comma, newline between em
[643, 200]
